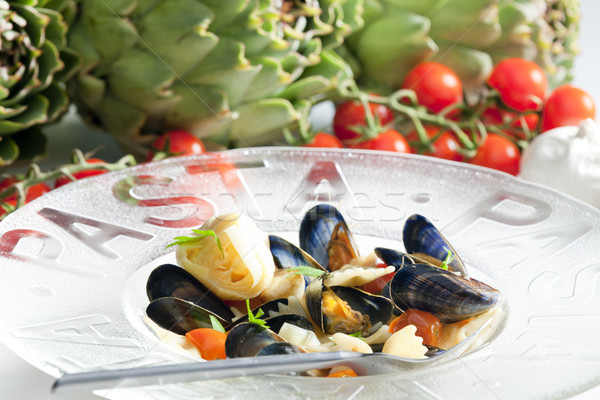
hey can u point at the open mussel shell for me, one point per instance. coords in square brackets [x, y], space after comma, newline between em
[448, 296]
[287, 255]
[422, 239]
[248, 339]
[278, 348]
[169, 280]
[325, 235]
[345, 309]
[180, 316]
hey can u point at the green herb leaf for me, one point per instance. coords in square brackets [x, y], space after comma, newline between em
[305, 270]
[448, 260]
[200, 234]
[216, 325]
[255, 319]
[357, 335]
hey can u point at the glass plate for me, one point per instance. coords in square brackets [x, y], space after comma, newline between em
[74, 265]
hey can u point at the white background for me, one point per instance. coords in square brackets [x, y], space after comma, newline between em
[20, 381]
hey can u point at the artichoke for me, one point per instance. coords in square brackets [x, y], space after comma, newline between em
[233, 72]
[469, 36]
[34, 62]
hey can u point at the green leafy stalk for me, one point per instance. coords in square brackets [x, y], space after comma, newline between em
[216, 325]
[255, 319]
[447, 260]
[200, 235]
[305, 270]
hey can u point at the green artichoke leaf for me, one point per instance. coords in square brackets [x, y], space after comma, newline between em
[474, 23]
[70, 61]
[56, 31]
[124, 120]
[9, 151]
[392, 45]
[261, 122]
[83, 48]
[32, 143]
[472, 65]
[421, 7]
[49, 63]
[35, 23]
[142, 80]
[10, 112]
[202, 109]
[113, 8]
[270, 78]
[110, 37]
[88, 90]
[225, 12]
[176, 32]
[36, 111]
[57, 99]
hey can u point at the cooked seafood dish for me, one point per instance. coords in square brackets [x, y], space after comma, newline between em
[239, 292]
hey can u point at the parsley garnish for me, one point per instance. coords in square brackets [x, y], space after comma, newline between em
[448, 260]
[255, 319]
[216, 325]
[357, 335]
[305, 270]
[201, 234]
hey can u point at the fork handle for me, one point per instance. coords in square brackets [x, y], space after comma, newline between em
[199, 371]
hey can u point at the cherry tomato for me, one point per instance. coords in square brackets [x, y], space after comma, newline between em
[210, 342]
[499, 153]
[63, 180]
[33, 192]
[435, 85]
[351, 114]
[567, 105]
[390, 140]
[445, 146]
[177, 143]
[323, 139]
[428, 326]
[345, 373]
[378, 284]
[521, 83]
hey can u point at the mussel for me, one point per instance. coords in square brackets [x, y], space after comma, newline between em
[345, 309]
[447, 295]
[287, 255]
[325, 235]
[248, 340]
[180, 316]
[424, 241]
[179, 303]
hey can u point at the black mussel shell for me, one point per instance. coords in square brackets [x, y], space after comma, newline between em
[286, 255]
[433, 351]
[421, 237]
[247, 339]
[275, 323]
[169, 280]
[316, 230]
[180, 316]
[278, 348]
[448, 296]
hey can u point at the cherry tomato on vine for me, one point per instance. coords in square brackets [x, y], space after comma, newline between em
[390, 140]
[521, 83]
[435, 85]
[32, 192]
[446, 146]
[499, 153]
[210, 342]
[567, 105]
[323, 139]
[63, 180]
[428, 326]
[377, 285]
[351, 115]
[177, 143]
